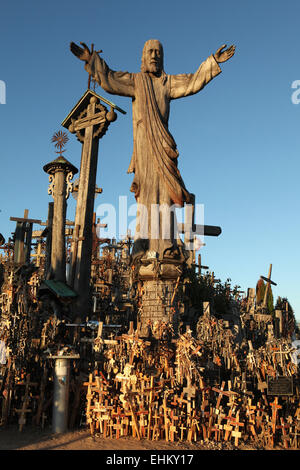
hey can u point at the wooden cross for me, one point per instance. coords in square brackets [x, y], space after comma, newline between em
[285, 436]
[103, 424]
[41, 397]
[173, 428]
[8, 248]
[96, 234]
[200, 265]
[48, 249]
[214, 280]
[275, 407]
[221, 393]
[75, 239]
[98, 339]
[26, 398]
[134, 420]
[182, 429]
[111, 426]
[206, 309]
[89, 398]
[210, 422]
[166, 420]
[125, 423]
[155, 431]
[14, 316]
[89, 130]
[189, 228]
[118, 426]
[23, 234]
[262, 385]
[150, 405]
[269, 282]
[281, 354]
[236, 433]
[192, 432]
[228, 427]
[251, 355]
[127, 240]
[250, 412]
[218, 426]
[190, 392]
[296, 434]
[38, 255]
[142, 422]
[25, 219]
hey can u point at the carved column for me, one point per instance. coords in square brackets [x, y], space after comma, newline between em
[60, 173]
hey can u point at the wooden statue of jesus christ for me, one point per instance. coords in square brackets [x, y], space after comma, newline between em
[157, 180]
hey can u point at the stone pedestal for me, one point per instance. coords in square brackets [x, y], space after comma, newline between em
[159, 295]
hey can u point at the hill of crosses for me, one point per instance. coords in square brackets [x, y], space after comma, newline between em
[135, 337]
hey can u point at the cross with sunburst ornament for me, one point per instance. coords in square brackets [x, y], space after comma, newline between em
[60, 139]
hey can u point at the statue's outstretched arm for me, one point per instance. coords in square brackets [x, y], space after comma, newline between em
[116, 83]
[223, 56]
[83, 53]
[188, 84]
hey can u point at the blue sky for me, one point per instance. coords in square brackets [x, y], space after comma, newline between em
[238, 139]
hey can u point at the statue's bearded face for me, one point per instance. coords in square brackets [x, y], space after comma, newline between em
[152, 60]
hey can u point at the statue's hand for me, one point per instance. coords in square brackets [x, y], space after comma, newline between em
[82, 53]
[223, 56]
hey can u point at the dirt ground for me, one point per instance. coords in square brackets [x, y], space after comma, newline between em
[32, 438]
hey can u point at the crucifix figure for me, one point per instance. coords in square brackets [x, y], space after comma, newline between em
[157, 181]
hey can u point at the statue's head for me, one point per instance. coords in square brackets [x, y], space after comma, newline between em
[153, 57]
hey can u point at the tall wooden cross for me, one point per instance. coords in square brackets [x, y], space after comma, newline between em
[89, 120]
[23, 234]
[190, 229]
[269, 282]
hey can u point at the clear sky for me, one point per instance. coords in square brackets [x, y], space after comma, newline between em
[238, 139]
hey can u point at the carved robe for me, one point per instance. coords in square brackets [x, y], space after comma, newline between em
[157, 179]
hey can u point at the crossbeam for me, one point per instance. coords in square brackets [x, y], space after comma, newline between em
[207, 230]
[269, 282]
[25, 219]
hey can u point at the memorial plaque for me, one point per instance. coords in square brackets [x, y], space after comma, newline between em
[281, 385]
